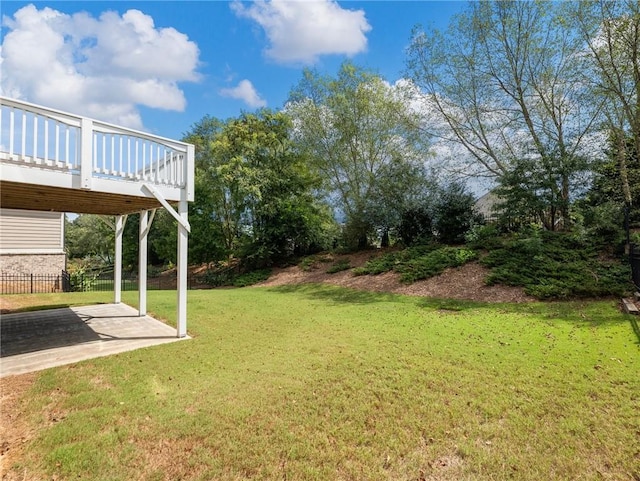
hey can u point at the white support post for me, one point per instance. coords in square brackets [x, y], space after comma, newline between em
[86, 153]
[183, 234]
[121, 220]
[142, 264]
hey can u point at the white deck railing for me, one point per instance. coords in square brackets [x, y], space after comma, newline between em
[33, 135]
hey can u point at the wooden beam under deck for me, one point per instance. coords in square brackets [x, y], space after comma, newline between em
[14, 195]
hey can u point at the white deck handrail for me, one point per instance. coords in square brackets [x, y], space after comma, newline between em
[39, 136]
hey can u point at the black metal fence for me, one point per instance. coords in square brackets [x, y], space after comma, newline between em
[33, 283]
[635, 265]
[66, 282]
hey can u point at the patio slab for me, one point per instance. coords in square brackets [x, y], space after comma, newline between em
[32, 341]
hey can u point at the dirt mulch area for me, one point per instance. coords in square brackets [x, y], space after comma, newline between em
[466, 282]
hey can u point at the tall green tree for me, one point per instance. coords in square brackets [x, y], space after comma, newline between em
[611, 32]
[606, 199]
[281, 213]
[362, 138]
[254, 192]
[211, 215]
[505, 82]
[88, 236]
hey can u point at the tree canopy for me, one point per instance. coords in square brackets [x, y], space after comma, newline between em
[541, 98]
[505, 82]
[362, 139]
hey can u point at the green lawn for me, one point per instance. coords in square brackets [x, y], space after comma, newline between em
[323, 383]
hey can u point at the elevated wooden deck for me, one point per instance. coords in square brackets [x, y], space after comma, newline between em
[53, 160]
[56, 161]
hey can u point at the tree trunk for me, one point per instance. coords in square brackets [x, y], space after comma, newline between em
[363, 242]
[384, 242]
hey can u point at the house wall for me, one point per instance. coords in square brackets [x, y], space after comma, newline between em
[31, 242]
[485, 206]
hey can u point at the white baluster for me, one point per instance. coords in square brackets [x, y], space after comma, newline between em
[34, 154]
[56, 155]
[11, 130]
[46, 141]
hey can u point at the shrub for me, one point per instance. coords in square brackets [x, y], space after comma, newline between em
[310, 263]
[359, 271]
[553, 265]
[341, 265]
[419, 262]
[250, 278]
[389, 261]
[486, 237]
[434, 263]
[230, 277]
[381, 264]
[218, 277]
[415, 226]
[454, 214]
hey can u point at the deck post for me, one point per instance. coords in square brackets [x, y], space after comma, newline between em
[182, 268]
[142, 264]
[117, 268]
[86, 153]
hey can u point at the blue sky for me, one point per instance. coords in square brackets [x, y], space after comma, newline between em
[160, 66]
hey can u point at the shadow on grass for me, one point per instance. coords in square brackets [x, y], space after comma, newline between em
[338, 295]
[634, 325]
[581, 313]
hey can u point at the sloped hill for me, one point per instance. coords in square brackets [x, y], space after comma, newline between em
[465, 282]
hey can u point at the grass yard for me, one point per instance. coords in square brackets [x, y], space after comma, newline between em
[322, 383]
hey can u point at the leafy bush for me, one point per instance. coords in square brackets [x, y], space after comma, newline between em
[553, 265]
[250, 278]
[434, 263]
[310, 263]
[389, 261]
[601, 225]
[81, 280]
[307, 264]
[419, 262]
[415, 226]
[454, 215]
[83, 273]
[341, 265]
[218, 277]
[360, 271]
[484, 237]
[376, 266]
[229, 276]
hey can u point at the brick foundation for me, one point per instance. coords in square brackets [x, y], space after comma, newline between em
[39, 264]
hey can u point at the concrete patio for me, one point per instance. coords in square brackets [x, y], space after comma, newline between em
[32, 341]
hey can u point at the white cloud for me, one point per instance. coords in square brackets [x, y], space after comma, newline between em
[246, 92]
[301, 31]
[102, 67]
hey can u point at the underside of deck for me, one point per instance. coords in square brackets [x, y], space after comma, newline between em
[14, 195]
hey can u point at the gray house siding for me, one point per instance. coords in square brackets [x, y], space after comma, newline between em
[31, 242]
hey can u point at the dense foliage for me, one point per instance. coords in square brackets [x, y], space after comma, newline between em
[418, 263]
[556, 265]
[361, 137]
[541, 98]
